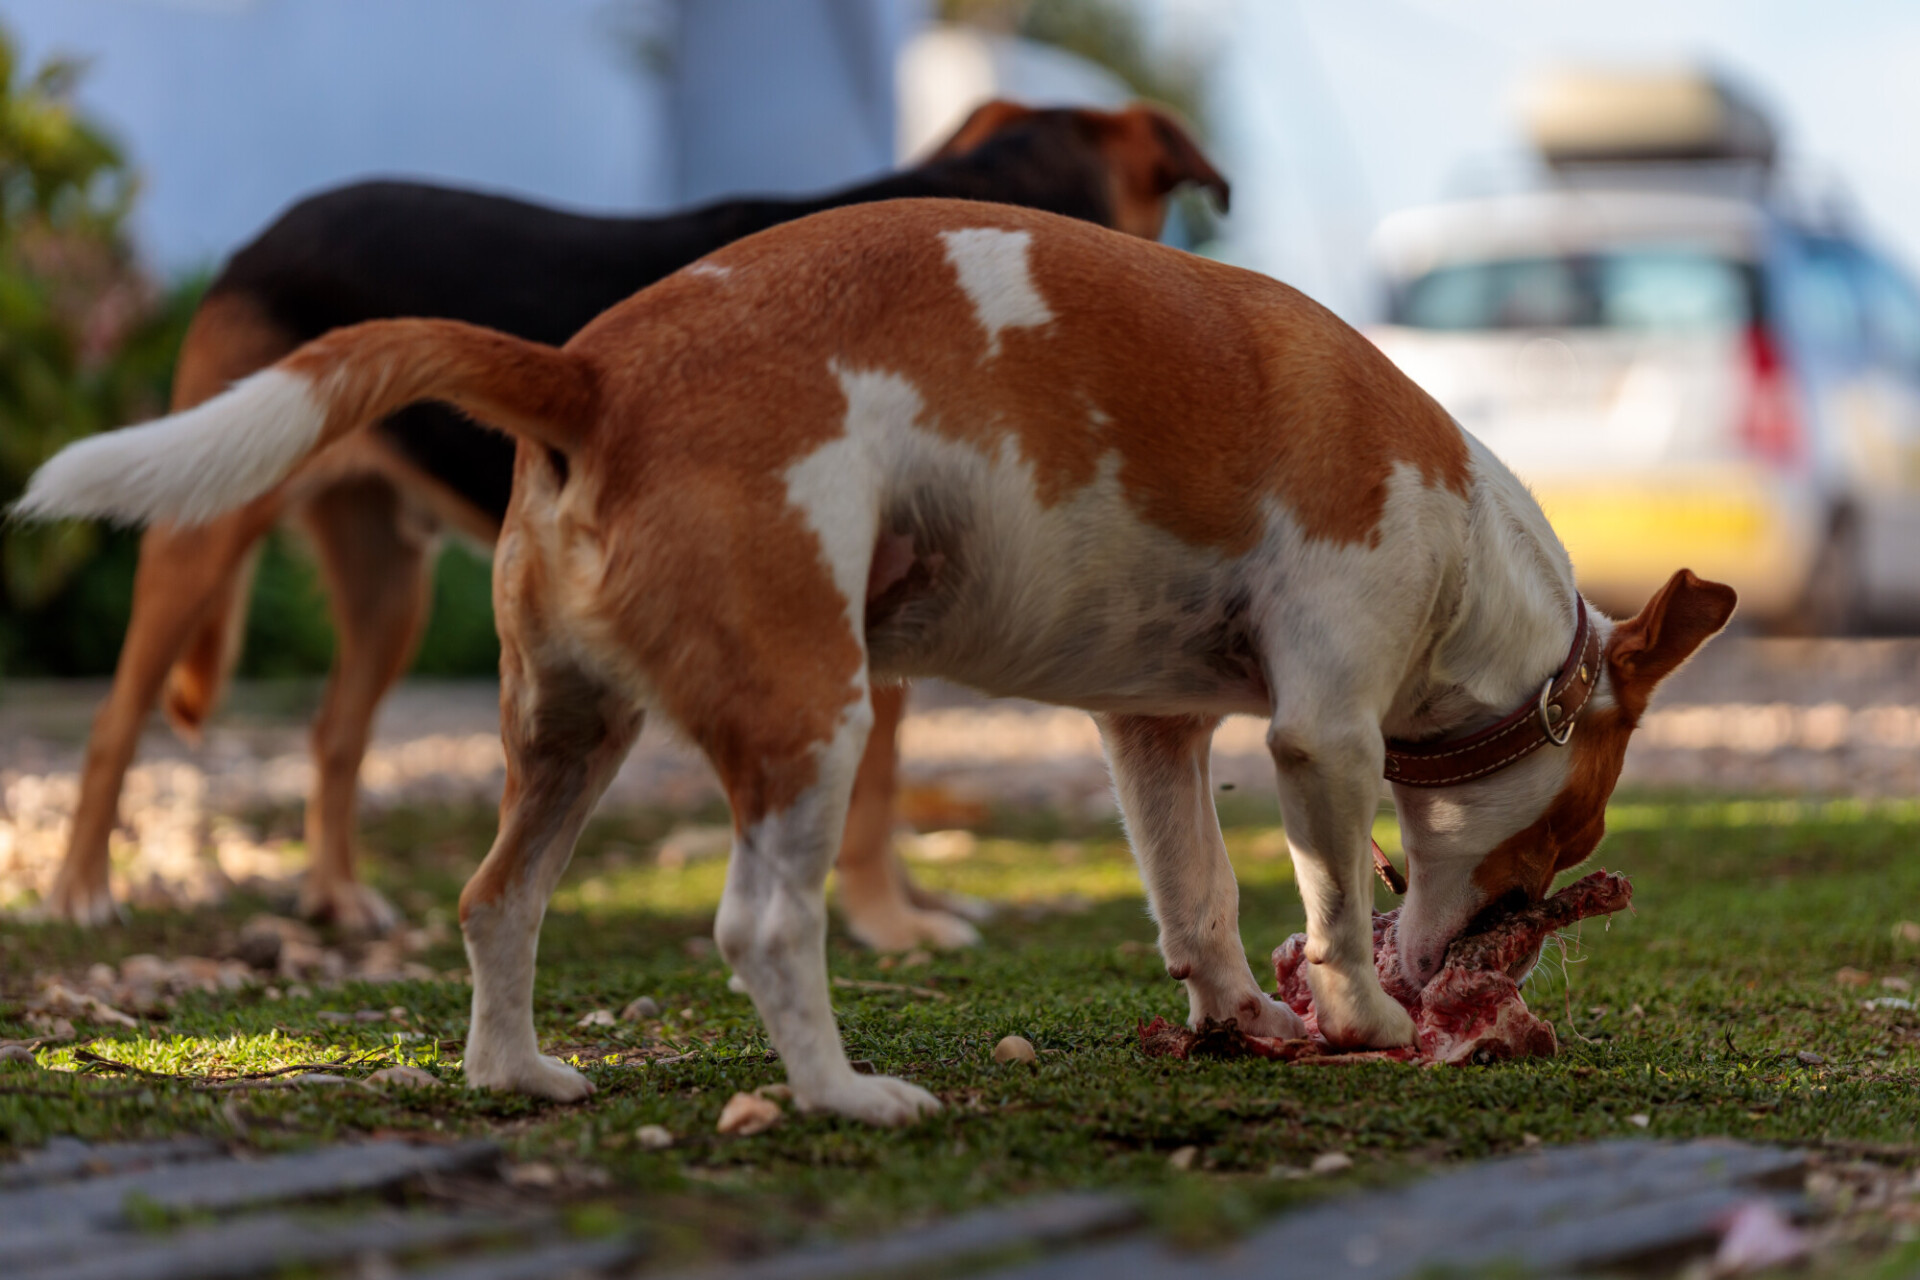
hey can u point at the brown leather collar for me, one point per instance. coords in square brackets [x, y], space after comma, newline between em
[1546, 719]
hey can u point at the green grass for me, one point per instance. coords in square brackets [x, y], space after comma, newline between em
[1692, 1011]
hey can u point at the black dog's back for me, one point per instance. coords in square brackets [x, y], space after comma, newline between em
[383, 249]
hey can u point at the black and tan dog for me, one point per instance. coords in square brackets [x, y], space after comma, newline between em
[373, 505]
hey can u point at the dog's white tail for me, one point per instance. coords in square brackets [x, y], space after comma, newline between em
[222, 453]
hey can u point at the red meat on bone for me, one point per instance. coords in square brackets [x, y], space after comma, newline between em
[1470, 1012]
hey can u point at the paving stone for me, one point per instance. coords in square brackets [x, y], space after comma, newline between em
[579, 1257]
[1566, 1209]
[256, 1245]
[64, 1159]
[1050, 1222]
[47, 1219]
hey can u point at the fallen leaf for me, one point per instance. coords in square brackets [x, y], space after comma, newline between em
[405, 1078]
[1184, 1157]
[1758, 1238]
[1852, 977]
[746, 1115]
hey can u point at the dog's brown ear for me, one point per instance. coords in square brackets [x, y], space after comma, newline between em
[986, 120]
[1650, 646]
[1181, 159]
[1149, 154]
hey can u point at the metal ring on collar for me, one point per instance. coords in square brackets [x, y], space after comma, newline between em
[1560, 738]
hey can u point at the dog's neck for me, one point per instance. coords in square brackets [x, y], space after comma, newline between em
[1505, 620]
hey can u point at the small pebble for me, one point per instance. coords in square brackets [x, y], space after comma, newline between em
[1015, 1049]
[333, 1015]
[1808, 1058]
[1639, 1119]
[370, 1015]
[1331, 1162]
[598, 1018]
[639, 1010]
[1184, 1157]
[319, 1077]
[747, 1115]
[1530, 1139]
[405, 1077]
[535, 1174]
[653, 1137]
[18, 1054]
[1896, 984]
[1907, 931]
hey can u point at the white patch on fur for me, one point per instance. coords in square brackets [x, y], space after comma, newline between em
[834, 486]
[992, 265]
[188, 467]
[713, 269]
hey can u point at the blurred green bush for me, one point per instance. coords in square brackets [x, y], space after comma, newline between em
[88, 342]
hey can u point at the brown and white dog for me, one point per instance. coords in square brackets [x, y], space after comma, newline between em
[371, 508]
[1013, 450]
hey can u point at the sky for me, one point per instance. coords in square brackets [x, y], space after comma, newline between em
[1332, 113]
[1326, 114]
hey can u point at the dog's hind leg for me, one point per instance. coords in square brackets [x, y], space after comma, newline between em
[182, 571]
[882, 907]
[772, 923]
[1160, 771]
[565, 735]
[377, 558]
[188, 579]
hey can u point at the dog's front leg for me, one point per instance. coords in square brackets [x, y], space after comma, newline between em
[1329, 785]
[772, 928]
[1159, 768]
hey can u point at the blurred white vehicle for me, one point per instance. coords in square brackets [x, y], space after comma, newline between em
[1686, 368]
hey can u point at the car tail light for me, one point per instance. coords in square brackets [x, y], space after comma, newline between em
[1770, 426]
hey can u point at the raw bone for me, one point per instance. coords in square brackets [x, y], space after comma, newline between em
[1470, 1012]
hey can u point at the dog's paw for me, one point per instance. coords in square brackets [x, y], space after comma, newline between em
[82, 903]
[350, 906]
[881, 1100]
[965, 905]
[1358, 1014]
[543, 1077]
[1261, 1015]
[904, 928]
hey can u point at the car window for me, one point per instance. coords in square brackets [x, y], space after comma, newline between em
[1643, 289]
[1893, 313]
[1824, 300]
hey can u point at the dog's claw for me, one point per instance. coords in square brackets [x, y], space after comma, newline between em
[881, 1100]
[90, 906]
[544, 1077]
[351, 906]
[1261, 1015]
[909, 928]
